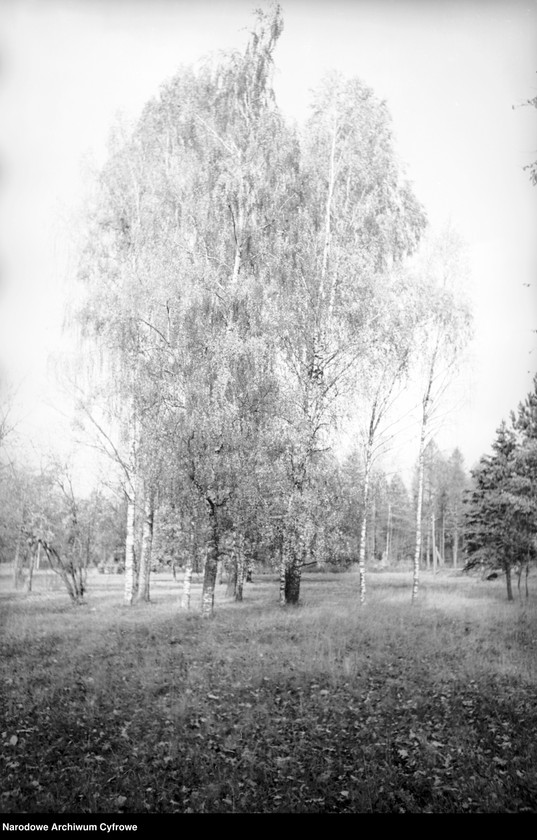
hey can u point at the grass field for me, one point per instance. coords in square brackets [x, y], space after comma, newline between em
[322, 708]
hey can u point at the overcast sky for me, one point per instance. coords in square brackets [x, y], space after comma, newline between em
[450, 71]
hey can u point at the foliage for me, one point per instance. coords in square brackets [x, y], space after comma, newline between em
[501, 515]
[245, 288]
[46, 523]
[444, 329]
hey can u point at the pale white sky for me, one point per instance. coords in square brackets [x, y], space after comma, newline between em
[450, 72]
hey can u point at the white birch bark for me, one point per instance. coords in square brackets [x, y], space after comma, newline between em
[240, 569]
[130, 558]
[231, 589]
[417, 552]
[389, 534]
[211, 564]
[187, 580]
[433, 540]
[144, 575]
[283, 567]
[363, 530]
[31, 567]
[421, 464]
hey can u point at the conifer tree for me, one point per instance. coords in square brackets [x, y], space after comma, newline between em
[501, 509]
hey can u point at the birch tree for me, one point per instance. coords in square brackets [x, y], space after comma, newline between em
[231, 270]
[445, 327]
[382, 374]
[179, 201]
[357, 217]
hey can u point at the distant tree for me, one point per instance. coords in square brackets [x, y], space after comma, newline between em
[106, 427]
[492, 521]
[524, 422]
[357, 218]
[8, 420]
[400, 522]
[345, 500]
[9, 485]
[382, 372]
[501, 508]
[186, 237]
[457, 482]
[433, 505]
[444, 484]
[54, 526]
[444, 331]
[234, 275]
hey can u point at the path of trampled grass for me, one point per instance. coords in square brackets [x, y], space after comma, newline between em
[323, 708]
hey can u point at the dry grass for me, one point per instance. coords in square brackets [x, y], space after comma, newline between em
[323, 708]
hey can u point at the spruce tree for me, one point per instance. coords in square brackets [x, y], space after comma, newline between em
[501, 510]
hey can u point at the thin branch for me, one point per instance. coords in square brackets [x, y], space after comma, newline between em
[118, 457]
[152, 326]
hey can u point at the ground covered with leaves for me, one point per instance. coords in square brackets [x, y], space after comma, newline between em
[322, 708]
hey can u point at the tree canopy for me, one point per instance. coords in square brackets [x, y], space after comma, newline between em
[501, 509]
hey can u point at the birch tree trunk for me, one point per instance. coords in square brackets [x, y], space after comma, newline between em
[17, 565]
[288, 554]
[363, 532]
[211, 564]
[130, 554]
[292, 582]
[433, 541]
[421, 465]
[231, 588]
[294, 549]
[144, 574]
[417, 552]
[389, 535]
[240, 569]
[290, 574]
[18, 560]
[283, 564]
[508, 583]
[365, 499]
[187, 580]
[32, 565]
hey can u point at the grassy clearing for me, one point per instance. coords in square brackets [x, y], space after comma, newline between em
[323, 708]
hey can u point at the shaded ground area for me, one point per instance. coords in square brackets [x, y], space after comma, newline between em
[324, 708]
